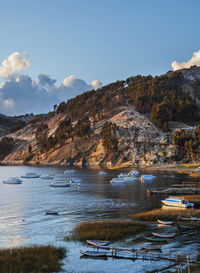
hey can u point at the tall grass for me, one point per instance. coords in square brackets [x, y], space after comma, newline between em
[105, 230]
[37, 259]
[165, 214]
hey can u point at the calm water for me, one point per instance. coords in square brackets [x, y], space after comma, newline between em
[23, 220]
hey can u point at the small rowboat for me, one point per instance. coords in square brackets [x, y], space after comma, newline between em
[97, 243]
[164, 235]
[162, 222]
[151, 247]
[93, 253]
[12, 180]
[159, 240]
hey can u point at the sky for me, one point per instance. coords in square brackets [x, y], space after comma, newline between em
[52, 50]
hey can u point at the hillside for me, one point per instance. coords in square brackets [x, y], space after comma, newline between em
[127, 122]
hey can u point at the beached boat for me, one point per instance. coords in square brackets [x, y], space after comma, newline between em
[152, 239]
[177, 202]
[147, 178]
[31, 175]
[93, 253]
[151, 247]
[52, 211]
[60, 183]
[164, 235]
[12, 180]
[162, 222]
[97, 243]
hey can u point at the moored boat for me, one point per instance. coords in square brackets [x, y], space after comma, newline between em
[69, 171]
[12, 180]
[162, 222]
[134, 173]
[164, 235]
[31, 175]
[102, 173]
[97, 243]
[151, 247]
[60, 183]
[147, 178]
[117, 180]
[75, 180]
[159, 240]
[51, 211]
[47, 177]
[130, 178]
[93, 253]
[177, 202]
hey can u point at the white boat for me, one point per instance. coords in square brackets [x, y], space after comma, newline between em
[93, 253]
[177, 202]
[69, 171]
[130, 178]
[134, 173]
[162, 222]
[164, 235]
[47, 177]
[97, 243]
[102, 173]
[117, 180]
[12, 180]
[30, 175]
[147, 178]
[121, 175]
[75, 180]
[60, 183]
[52, 211]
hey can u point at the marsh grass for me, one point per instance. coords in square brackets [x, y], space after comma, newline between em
[195, 175]
[165, 214]
[37, 259]
[105, 230]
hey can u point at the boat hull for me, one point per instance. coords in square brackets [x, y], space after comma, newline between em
[97, 243]
[161, 235]
[93, 253]
[161, 222]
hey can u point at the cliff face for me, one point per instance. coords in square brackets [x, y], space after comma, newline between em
[139, 142]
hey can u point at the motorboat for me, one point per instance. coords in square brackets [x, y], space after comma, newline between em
[31, 175]
[12, 180]
[97, 243]
[93, 253]
[162, 222]
[177, 202]
[52, 212]
[147, 178]
[47, 177]
[164, 235]
[117, 180]
[60, 183]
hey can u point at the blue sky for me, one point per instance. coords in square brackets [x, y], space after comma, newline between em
[96, 39]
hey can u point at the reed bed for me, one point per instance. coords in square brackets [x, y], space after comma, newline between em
[105, 230]
[165, 214]
[37, 259]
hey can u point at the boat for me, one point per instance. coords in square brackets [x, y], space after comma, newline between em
[93, 253]
[117, 180]
[30, 175]
[190, 219]
[69, 171]
[12, 180]
[162, 222]
[121, 175]
[47, 177]
[51, 212]
[130, 178]
[134, 173]
[164, 235]
[102, 173]
[97, 243]
[147, 178]
[60, 183]
[75, 180]
[159, 240]
[151, 247]
[177, 202]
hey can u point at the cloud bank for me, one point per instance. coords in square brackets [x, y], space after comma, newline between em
[19, 94]
[195, 60]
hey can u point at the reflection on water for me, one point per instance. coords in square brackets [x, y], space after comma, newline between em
[23, 220]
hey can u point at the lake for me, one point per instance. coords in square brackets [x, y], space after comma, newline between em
[23, 220]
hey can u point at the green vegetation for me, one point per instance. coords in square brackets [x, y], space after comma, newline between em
[108, 135]
[165, 214]
[105, 230]
[6, 146]
[188, 144]
[37, 259]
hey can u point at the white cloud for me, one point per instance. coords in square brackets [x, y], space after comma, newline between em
[14, 63]
[9, 103]
[69, 81]
[96, 84]
[195, 60]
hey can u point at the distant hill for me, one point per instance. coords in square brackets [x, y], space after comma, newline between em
[126, 122]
